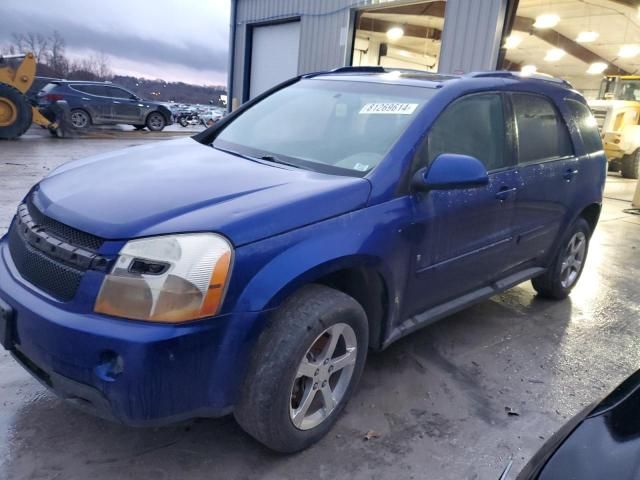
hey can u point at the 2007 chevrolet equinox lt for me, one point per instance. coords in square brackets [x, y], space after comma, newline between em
[249, 269]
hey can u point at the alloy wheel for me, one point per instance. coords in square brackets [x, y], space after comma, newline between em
[79, 119]
[573, 260]
[323, 376]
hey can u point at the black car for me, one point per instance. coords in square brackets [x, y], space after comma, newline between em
[601, 442]
[103, 103]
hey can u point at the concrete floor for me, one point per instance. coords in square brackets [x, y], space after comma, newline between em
[438, 398]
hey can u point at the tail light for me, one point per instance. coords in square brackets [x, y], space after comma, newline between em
[53, 97]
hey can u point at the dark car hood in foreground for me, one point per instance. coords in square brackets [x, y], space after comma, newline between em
[184, 186]
[599, 443]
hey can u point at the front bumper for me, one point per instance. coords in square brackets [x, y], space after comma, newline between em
[132, 372]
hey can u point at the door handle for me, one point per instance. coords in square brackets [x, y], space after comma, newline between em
[505, 192]
[569, 174]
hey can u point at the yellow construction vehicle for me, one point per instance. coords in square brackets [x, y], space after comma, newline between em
[16, 112]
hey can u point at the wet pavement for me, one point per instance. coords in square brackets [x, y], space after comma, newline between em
[439, 399]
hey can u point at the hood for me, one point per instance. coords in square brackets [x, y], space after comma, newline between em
[183, 186]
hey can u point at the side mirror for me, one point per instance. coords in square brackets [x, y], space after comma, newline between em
[450, 171]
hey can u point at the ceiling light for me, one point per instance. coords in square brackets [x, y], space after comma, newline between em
[395, 33]
[627, 51]
[597, 68]
[587, 37]
[548, 20]
[554, 55]
[512, 41]
[528, 69]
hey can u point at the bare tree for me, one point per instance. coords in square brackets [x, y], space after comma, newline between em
[31, 42]
[103, 66]
[55, 55]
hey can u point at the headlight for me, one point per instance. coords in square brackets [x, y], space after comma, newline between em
[173, 278]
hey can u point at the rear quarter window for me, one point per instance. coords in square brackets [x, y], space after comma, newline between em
[587, 125]
[542, 133]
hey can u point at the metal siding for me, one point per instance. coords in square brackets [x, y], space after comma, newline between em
[472, 34]
[470, 40]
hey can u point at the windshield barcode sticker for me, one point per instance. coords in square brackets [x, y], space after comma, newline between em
[388, 108]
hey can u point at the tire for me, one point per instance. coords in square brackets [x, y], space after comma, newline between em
[15, 112]
[613, 167]
[183, 122]
[558, 281]
[297, 339]
[155, 122]
[630, 167]
[139, 127]
[80, 119]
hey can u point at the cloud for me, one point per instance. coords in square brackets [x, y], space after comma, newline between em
[173, 34]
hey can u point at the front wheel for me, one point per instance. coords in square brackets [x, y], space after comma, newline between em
[155, 122]
[304, 369]
[563, 274]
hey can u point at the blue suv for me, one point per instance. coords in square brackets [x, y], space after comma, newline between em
[251, 268]
[103, 103]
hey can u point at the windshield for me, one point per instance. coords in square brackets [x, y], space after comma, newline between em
[616, 88]
[331, 126]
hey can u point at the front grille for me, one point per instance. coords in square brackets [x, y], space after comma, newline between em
[50, 255]
[62, 231]
[53, 277]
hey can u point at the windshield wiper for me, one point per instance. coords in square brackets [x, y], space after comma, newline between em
[274, 159]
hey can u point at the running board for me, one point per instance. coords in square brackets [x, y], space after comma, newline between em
[445, 309]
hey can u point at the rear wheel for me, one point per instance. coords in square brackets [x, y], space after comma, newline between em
[155, 122]
[563, 274]
[15, 112]
[630, 167]
[304, 369]
[80, 119]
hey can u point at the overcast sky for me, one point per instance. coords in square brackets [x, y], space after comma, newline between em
[177, 40]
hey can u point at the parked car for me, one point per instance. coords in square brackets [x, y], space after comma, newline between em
[103, 103]
[602, 441]
[209, 117]
[250, 269]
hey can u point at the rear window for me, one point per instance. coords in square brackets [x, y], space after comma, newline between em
[48, 87]
[542, 134]
[587, 125]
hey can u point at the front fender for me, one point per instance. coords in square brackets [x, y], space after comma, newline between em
[376, 237]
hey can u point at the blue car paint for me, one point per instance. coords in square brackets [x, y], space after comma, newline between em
[289, 228]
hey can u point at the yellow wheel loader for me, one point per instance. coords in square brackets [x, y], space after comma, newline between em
[16, 111]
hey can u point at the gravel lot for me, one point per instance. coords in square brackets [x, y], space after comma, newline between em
[438, 399]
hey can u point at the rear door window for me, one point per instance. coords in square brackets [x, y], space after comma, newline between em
[541, 132]
[118, 93]
[99, 90]
[587, 125]
[475, 126]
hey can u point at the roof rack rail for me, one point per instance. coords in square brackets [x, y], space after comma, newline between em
[521, 76]
[361, 69]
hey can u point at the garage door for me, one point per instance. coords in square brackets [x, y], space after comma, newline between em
[274, 55]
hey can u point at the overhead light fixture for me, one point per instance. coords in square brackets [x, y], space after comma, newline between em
[627, 51]
[587, 37]
[528, 69]
[395, 33]
[597, 68]
[554, 55]
[512, 41]
[548, 20]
